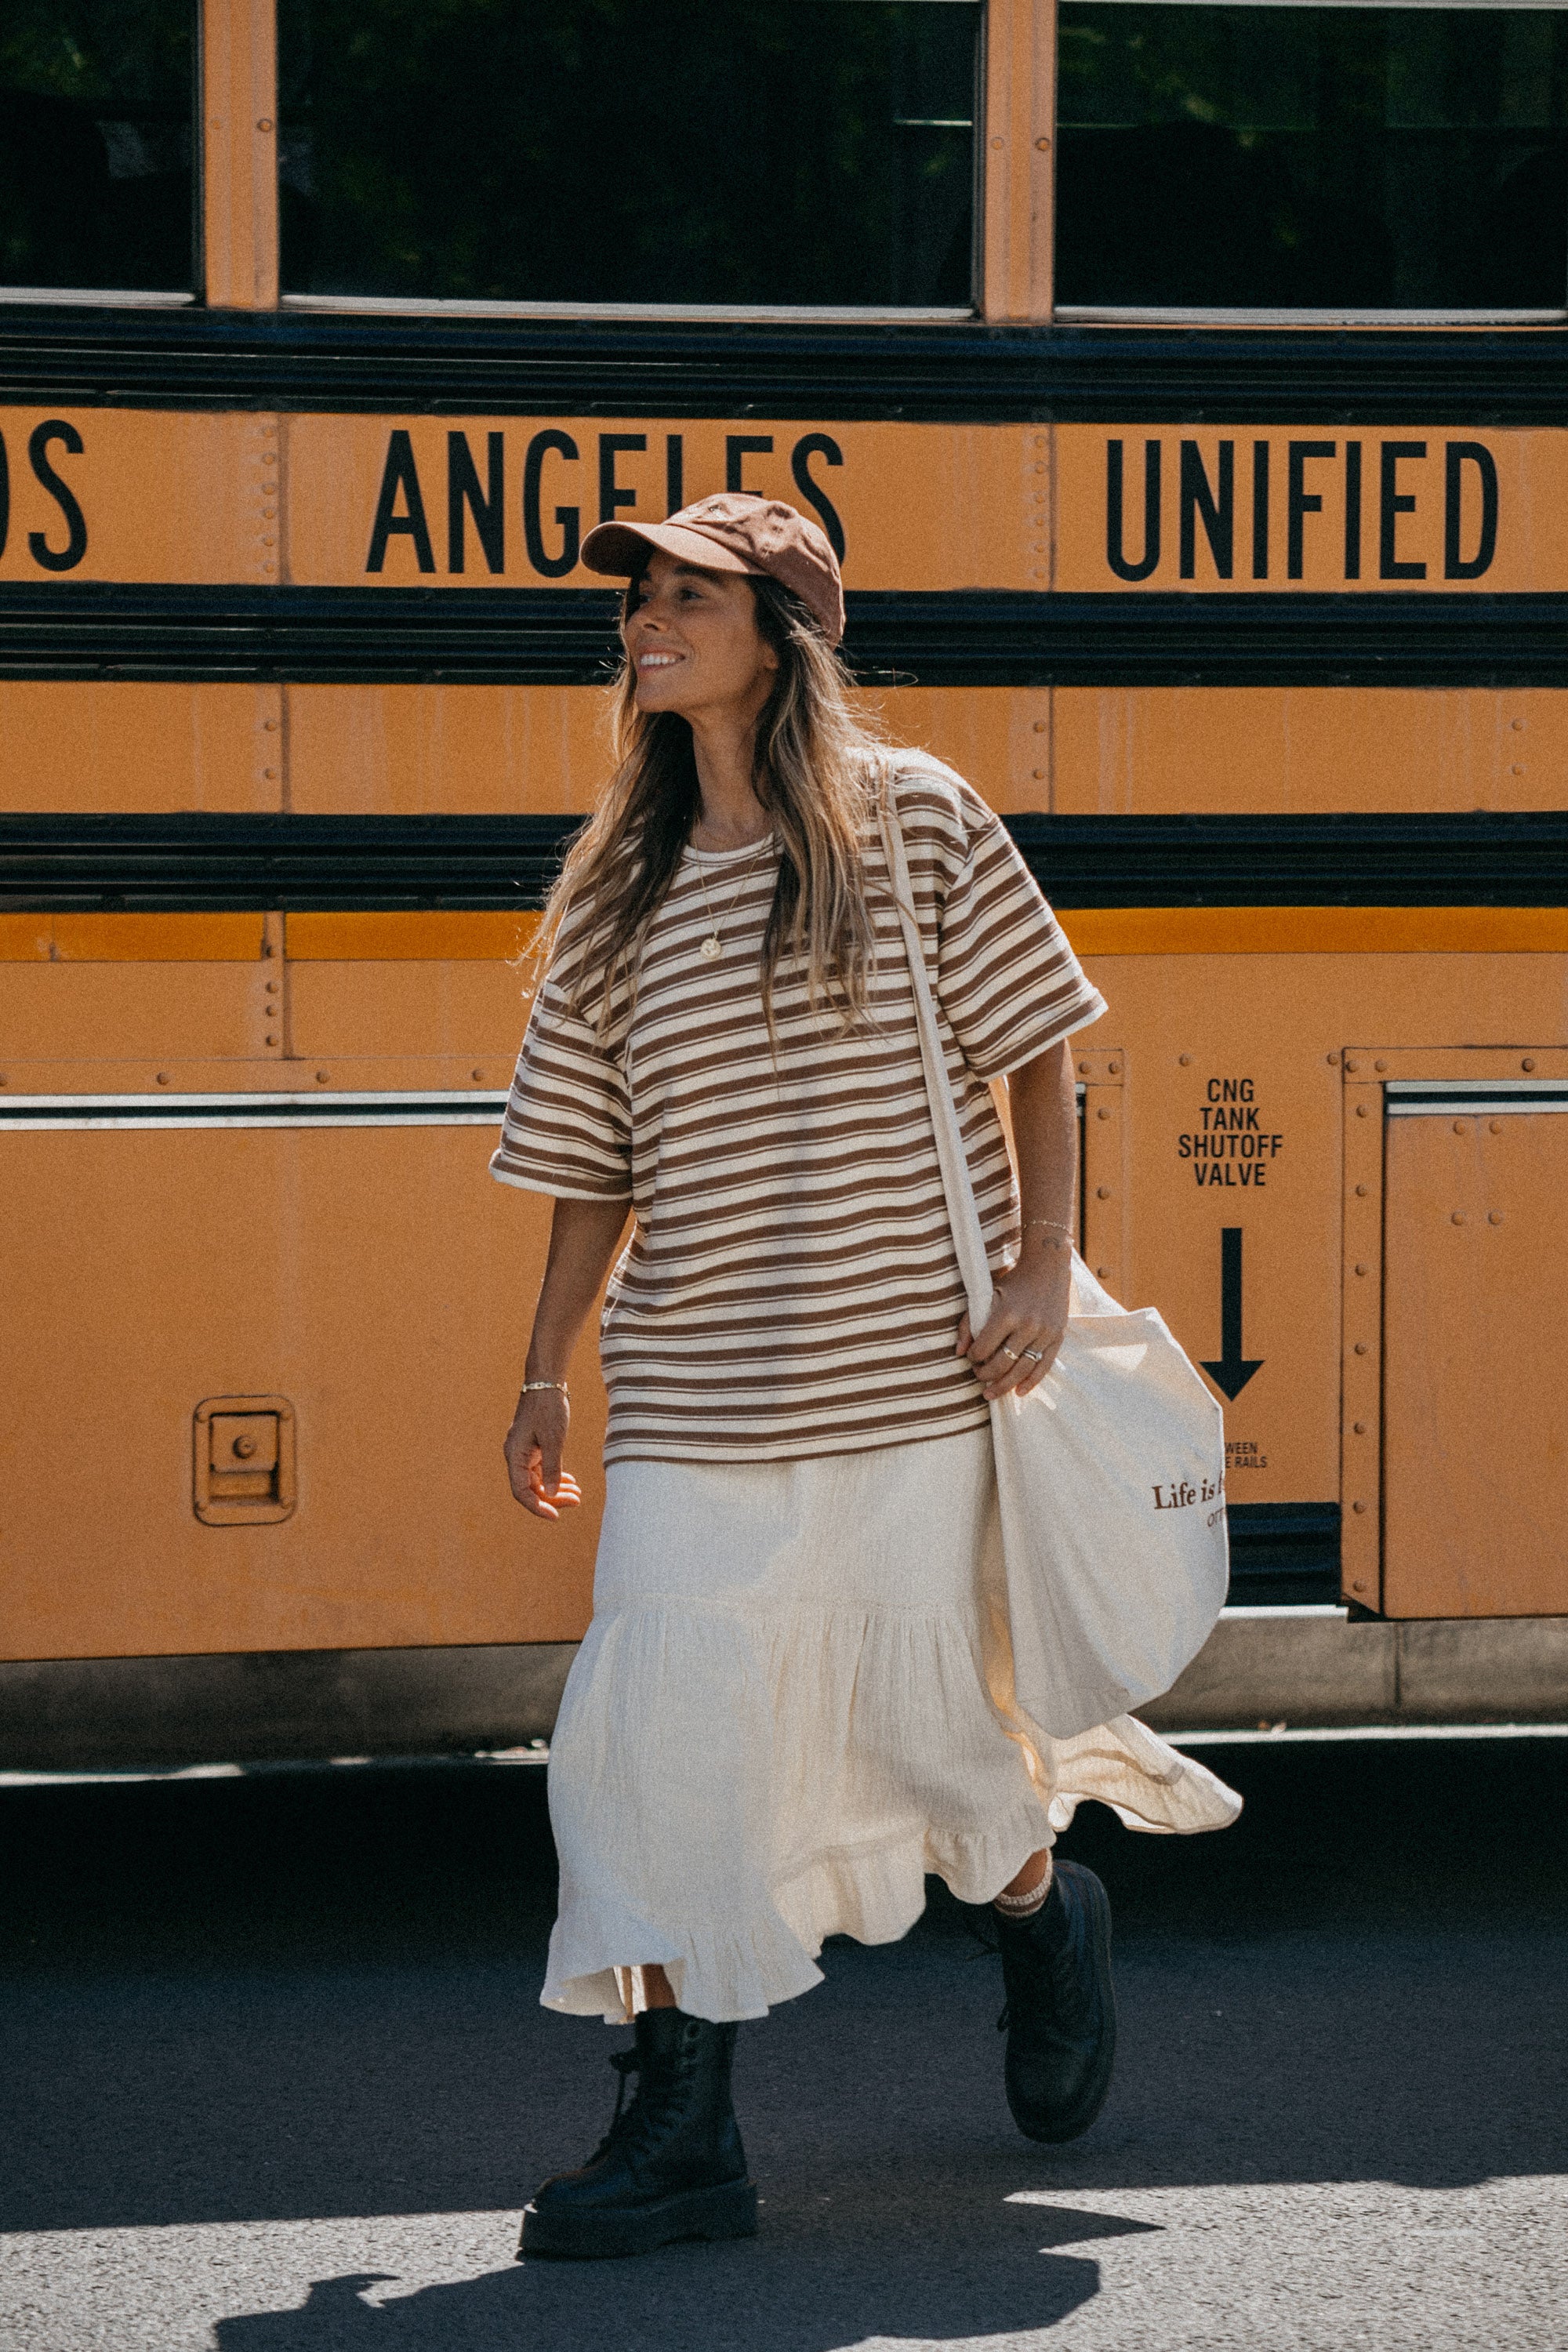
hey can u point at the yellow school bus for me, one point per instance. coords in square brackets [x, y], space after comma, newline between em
[1185, 389]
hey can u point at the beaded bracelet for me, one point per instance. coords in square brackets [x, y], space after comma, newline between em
[1055, 1225]
[529, 1386]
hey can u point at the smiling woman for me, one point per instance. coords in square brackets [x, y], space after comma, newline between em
[795, 1696]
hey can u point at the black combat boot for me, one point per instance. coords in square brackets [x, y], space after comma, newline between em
[1060, 2015]
[671, 2165]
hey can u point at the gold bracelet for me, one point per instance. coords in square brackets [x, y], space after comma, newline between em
[1055, 1223]
[529, 1386]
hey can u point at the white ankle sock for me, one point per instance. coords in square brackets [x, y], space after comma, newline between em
[1023, 1906]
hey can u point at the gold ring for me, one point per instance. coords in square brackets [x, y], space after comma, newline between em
[1006, 1351]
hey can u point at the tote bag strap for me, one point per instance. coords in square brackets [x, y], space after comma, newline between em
[969, 1241]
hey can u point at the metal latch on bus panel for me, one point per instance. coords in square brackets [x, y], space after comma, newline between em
[244, 1460]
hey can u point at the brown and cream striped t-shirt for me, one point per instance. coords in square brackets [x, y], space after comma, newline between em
[791, 1287]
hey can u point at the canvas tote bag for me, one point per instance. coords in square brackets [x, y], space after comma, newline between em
[1110, 1473]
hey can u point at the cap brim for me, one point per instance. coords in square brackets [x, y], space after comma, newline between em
[619, 550]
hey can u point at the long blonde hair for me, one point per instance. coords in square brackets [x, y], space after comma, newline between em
[817, 769]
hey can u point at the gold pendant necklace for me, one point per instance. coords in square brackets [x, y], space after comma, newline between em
[712, 947]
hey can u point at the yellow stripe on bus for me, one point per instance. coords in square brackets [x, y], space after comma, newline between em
[1317, 931]
[440, 935]
[130, 938]
[450, 935]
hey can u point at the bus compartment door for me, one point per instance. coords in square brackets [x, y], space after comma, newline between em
[330, 1317]
[1475, 1300]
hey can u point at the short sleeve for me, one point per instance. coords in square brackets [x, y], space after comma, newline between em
[1009, 983]
[568, 1125]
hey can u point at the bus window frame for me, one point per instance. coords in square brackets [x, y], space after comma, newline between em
[1098, 314]
[148, 297]
[1018, 40]
[238, 253]
[238, 263]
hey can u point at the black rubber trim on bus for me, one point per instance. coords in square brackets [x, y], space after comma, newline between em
[964, 637]
[1284, 1554]
[964, 373]
[199, 862]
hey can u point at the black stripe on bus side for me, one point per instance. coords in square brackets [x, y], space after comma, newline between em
[963, 372]
[959, 639]
[207, 862]
[1283, 1552]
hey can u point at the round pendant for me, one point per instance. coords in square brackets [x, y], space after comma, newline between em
[710, 948]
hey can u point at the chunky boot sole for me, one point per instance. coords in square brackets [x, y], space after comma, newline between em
[729, 2210]
[1071, 2123]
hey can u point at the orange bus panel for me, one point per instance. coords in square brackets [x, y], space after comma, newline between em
[1475, 1431]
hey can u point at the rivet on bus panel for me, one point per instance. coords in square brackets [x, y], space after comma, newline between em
[1528, 1063]
[1101, 1192]
[321, 1077]
[1351, 1064]
[1360, 1428]
[1461, 1127]
[1380, 1065]
[1496, 1126]
[1358, 1507]
[1361, 1110]
[1360, 1269]
[1361, 1191]
[1185, 1059]
[1103, 1114]
[1360, 1346]
[1457, 1218]
[1494, 1216]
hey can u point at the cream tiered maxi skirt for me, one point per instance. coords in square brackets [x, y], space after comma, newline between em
[792, 1704]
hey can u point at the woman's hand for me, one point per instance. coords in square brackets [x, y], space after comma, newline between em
[1029, 1306]
[1028, 1310]
[583, 1238]
[535, 1444]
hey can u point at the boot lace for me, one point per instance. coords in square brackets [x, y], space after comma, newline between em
[1060, 1968]
[636, 2120]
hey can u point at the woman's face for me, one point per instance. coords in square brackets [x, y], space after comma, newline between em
[694, 644]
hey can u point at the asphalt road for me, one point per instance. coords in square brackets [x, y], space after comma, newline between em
[274, 2079]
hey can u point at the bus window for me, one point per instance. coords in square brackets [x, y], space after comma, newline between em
[96, 102]
[1282, 157]
[646, 152]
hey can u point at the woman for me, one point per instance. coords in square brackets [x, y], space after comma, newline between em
[792, 1702]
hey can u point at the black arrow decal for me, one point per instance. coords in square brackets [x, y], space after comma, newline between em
[1234, 1370]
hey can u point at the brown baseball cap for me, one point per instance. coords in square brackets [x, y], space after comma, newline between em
[733, 532]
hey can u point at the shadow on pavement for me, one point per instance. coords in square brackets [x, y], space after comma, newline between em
[779, 2294]
[300, 1995]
